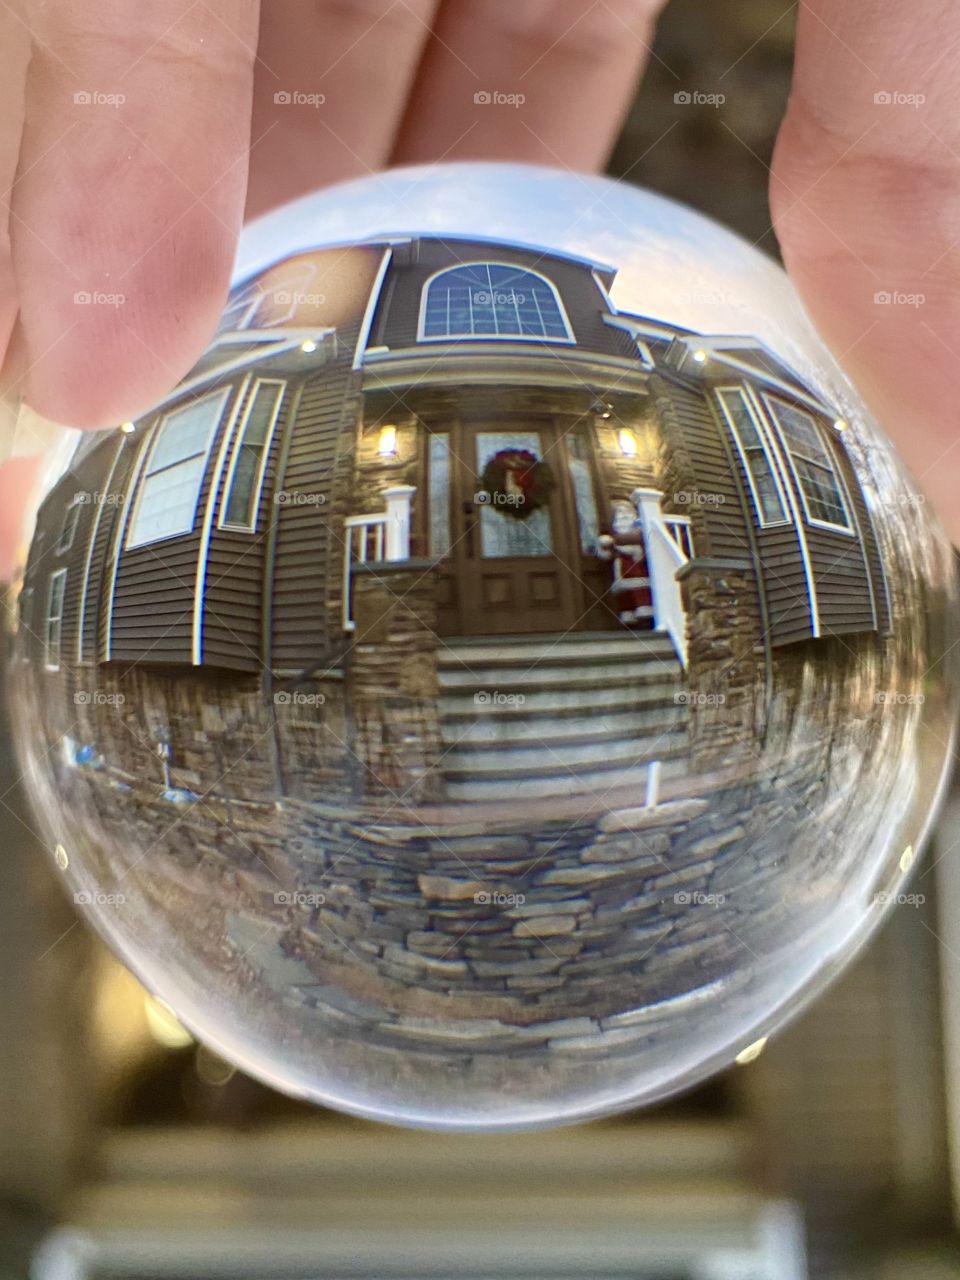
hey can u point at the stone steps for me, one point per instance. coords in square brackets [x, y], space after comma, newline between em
[532, 717]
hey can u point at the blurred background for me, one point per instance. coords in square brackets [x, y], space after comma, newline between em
[128, 1151]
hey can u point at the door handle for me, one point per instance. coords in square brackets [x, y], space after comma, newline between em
[468, 508]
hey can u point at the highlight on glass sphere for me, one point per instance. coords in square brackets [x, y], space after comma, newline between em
[506, 678]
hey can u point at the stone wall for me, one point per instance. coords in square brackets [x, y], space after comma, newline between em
[391, 683]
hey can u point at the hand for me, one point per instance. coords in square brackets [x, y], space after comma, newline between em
[142, 199]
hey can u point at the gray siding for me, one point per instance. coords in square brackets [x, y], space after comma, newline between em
[395, 324]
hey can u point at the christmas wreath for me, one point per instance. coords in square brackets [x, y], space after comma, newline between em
[517, 483]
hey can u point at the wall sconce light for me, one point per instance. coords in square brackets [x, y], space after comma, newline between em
[308, 346]
[700, 357]
[627, 440]
[602, 409]
[387, 445]
[840, 424]
[128, 428]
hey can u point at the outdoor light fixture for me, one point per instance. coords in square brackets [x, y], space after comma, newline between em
[627, 441]
[840, 424]
[700, 357]
[128, 428]
[388, 442]
[308, 346]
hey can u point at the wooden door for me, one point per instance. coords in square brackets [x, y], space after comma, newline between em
[503, 575]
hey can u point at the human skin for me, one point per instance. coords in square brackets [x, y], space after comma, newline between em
[148, 201]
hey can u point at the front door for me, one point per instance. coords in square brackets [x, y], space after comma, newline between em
[510, 575]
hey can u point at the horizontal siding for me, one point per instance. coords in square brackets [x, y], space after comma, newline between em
[308, 551]
[396, 322]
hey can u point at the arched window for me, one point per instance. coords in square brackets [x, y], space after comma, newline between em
[492, 300]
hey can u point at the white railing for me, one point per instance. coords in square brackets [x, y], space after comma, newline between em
[669, 547]
[384, 535]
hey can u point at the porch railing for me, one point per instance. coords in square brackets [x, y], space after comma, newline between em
[669, 548]
[383, 535]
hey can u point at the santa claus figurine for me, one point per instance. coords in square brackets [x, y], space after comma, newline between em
[622, 543]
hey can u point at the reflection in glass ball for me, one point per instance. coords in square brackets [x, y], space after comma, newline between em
[506, 677]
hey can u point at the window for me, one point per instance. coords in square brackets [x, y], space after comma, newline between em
[768, 497]
[820, 486]
[167, 502]
[68, 530]
[53, 623]
[249, 461]
[492, 300]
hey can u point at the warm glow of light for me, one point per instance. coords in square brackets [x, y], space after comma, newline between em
[751, 1053]
[163, 1025]
[308, 346]
[841, 424]
[128, 428]
[700, 356]
[906, 858]
[627, 441]
[63, 860]
[388, 442]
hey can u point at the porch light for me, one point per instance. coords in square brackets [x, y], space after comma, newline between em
[751, 1053]
[388, 442]
[128, 428]
[700, 357]
[840, 424]
[628, 443]
[308, 346]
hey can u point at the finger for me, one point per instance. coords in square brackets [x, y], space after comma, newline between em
[17, 478]
[866, 200]
[14, 56]
[332, 81]
[129, 196]
[543, 81]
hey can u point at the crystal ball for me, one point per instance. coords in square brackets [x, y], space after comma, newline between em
[508, 677]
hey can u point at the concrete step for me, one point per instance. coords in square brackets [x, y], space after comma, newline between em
[598, 699]
[486, 788]
[492, 732]
[556, 676]
[555, 651]
[544, 760]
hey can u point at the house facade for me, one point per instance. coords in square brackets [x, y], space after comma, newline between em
[308, 506]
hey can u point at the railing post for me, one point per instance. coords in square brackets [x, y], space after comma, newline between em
[399, 499]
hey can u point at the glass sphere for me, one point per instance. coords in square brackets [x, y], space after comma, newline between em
[510, 674]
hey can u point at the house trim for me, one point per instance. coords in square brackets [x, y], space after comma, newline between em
[91, 543]
[237, 445]
[58, 575]
[119, 537]
[213, 494]
[797, 517]
[373, 302]
[569, 341]
[762, 522]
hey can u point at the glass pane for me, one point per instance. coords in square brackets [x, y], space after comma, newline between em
[583, 494]
[506, 535]
[186, 432]
[491, 300]
[770, 507]
[438, 463]
[168, 502]
[241, 490]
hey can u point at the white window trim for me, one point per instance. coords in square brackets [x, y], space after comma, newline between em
[223, 396]
[63, 547]
[762, 522]
[257, 492]
[56, 576]
[850, 529]
[569, 340]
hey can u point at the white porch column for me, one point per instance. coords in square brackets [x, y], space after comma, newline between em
[647, 502]
[399, 499]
